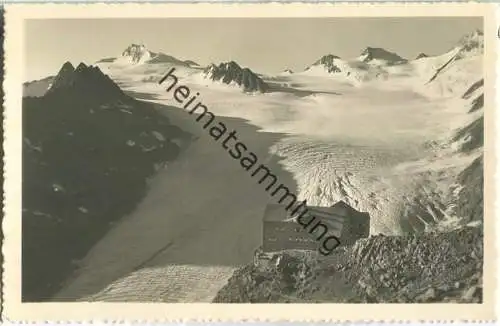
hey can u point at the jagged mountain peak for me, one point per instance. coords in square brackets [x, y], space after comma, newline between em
[231, 65]
[84, 81]
[226, 66]
[231, 72]
[191, 63]
[374, 53]
[81, 67]
[67, 66]
[472, 43]
[137, 53]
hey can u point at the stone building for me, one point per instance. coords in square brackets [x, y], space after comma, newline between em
[281, 231]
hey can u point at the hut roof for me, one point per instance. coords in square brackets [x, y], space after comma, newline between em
[278, 213]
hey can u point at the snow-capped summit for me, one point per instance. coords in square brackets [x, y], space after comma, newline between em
[232, 73]
[381, 56]
[451, 73]
[137, 53]
[64, 75]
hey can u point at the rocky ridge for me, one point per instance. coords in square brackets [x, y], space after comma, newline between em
[232, 73]
[84, 81]
[329, 62]
[88, 151]
[440, 267]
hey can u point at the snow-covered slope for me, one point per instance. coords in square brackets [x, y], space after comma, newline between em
[371, 64]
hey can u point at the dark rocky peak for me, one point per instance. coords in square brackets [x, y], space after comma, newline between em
[84, 81]
[477, 85]
[421, 55]
[289, 71]
[328, 61]
[231, 72]
[137, 53]
[132, 48]
[472, 43]
[81, 67]
[371, 53]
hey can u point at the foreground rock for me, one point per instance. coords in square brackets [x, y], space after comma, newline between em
[439, 267]
[88, 150]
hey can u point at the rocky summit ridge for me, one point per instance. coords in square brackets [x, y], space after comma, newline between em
[232, 73]
[83, 81]
[329, 62]
[372, 53]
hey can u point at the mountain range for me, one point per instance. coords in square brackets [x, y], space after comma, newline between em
[372, 61]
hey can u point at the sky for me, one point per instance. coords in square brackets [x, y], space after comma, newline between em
[265, 45]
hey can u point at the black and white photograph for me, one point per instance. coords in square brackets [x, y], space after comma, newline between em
[253, 159]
